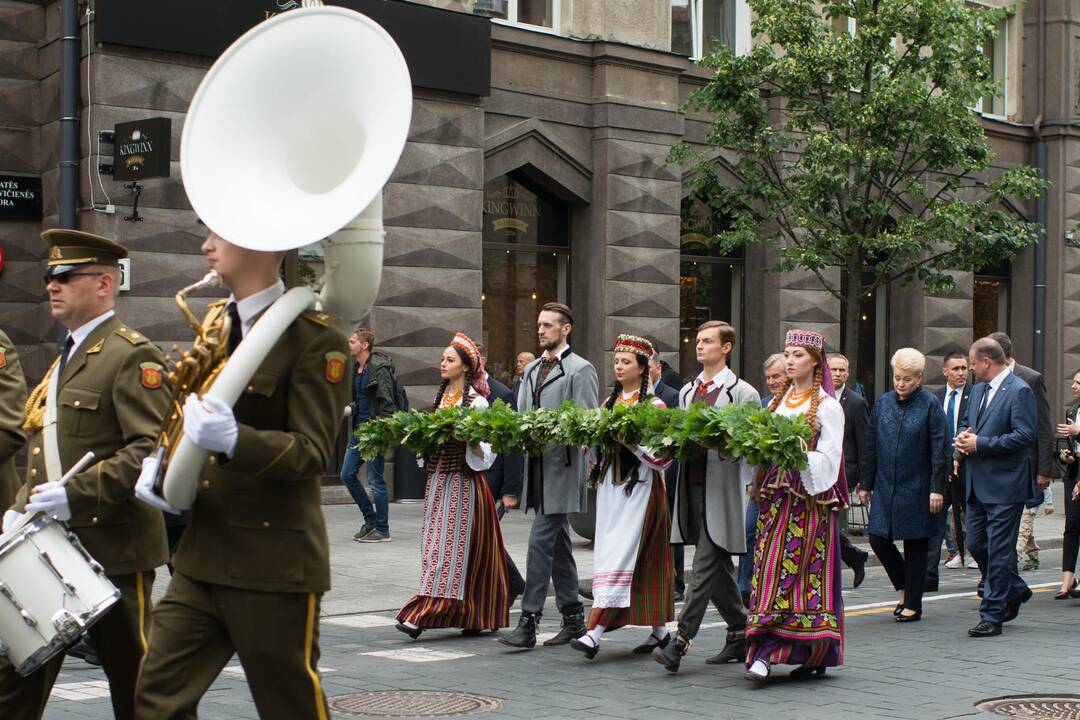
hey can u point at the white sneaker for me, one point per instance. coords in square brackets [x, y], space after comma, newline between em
[954, 563]
[971, 564]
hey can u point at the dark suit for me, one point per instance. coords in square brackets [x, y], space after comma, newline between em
[856, 417]
[1042, 455]
[504, 478]
[954, 494]
[997, 481]
[670, 377]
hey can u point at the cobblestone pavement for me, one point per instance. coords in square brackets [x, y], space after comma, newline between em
[929, 669]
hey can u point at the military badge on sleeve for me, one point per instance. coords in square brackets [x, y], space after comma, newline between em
[3, 358]
[335, 367]
[151, 375]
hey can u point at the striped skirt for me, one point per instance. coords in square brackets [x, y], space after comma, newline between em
[485, 603]
[652, 590]
[796, 613]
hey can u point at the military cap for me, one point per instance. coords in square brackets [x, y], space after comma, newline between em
[69, 249]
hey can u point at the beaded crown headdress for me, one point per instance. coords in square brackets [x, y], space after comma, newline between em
[463, 341]
[804, 338]
[634, 344]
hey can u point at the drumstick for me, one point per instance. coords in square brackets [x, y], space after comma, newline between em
[75, 470]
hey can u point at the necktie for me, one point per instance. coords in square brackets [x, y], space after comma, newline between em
[236, 329]
[65, 350]
[703, 390]
[951, 411]
[983, 403]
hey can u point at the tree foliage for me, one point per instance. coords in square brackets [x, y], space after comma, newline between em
[861, 150]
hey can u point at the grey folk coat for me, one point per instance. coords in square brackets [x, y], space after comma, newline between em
[561, 485]
[724, 513]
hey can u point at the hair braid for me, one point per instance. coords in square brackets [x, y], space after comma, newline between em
[776, 400]
[815, 399]
[643, 392]
[610, 402]
[439, 395]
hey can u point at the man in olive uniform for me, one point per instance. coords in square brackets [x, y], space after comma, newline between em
[109, 400]
[254, 562]
[12, 403]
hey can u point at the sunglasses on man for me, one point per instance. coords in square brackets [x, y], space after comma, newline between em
[64, 278]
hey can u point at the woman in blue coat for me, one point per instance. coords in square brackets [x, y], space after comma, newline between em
[903, 476]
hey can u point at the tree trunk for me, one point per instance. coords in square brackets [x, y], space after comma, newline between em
[852, 316]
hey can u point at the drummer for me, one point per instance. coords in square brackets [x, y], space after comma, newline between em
[12, 401]
[109, 400]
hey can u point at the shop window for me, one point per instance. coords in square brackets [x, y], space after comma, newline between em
[873, 376]
[535, 13]
[710, 285]
[700, 27]
[526, 264]
[990, 300]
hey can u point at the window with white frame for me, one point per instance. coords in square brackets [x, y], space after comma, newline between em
[700, 27]
[996, 50]
[534, 13]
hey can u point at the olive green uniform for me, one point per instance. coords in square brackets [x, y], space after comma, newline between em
[254, 560]
[12, 403]
[110, 400]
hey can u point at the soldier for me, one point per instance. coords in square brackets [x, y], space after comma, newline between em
[252, 566]
[105, 393]
[12, 401]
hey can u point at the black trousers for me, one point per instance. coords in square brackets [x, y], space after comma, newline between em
[908, 571]
[849, 554]
[1070, 542]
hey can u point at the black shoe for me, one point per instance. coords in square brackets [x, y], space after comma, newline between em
[805, 671]
[471, 632]
[859, 568]
[1012, 607]
[85, 651]
[585, 593]
[524, 635]
[985, 629]
[651, 644]
[573, 627]
[734, 651]
[671, 656]
[588, 648]
[411, 632]
[909, 618]
[898, 609]
[679, 596]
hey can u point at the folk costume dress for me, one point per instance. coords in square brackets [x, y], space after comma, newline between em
[463, 582]
[796, 610]
[633, 572]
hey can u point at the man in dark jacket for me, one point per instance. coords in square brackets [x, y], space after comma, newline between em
[856, 418]
[373, 395]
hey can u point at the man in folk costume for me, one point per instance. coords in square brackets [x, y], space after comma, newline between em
[710, 499]
[554, 482]
[254, 562]
[104, 394]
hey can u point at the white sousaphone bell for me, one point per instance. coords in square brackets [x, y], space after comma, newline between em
[288, 142]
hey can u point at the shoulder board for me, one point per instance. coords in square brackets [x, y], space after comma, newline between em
[318, 317]
[132, 336]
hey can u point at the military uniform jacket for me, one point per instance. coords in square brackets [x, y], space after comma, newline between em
[12, 402]
[111, 399]
[257, 522]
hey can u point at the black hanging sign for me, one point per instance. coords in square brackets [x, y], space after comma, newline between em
[20, 197]
[141, 149]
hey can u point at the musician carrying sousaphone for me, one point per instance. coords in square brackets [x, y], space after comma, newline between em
[103, 394]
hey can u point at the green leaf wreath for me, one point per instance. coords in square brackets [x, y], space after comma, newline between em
[749, 432]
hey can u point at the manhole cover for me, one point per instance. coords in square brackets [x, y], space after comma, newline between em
[1035, 707]
[413, 703]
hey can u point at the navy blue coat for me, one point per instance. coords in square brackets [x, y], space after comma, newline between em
[999, 471]
[906, 457]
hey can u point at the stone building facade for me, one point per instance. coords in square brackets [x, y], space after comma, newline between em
[551, 186]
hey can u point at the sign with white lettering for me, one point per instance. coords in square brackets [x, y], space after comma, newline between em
[20, 197]
[141, 149]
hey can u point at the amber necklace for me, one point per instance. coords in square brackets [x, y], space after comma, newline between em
[795, 399]
[451, 398]
[631, 399]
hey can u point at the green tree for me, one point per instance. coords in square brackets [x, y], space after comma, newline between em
[860, 150]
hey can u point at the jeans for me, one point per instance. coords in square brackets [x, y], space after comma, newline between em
[746, 560]
[379, 514]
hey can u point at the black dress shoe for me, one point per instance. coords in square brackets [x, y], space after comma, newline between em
[1012, 607]
[898, 609]
[985, 629]
[411, 632]
[585, 647]
[671, 656]
[734, 651]
[901, 618]
[651, 644]
[471, 632]
[573, 626]
[859, 568]
[85, 651]
[524, 635]
[805, 671]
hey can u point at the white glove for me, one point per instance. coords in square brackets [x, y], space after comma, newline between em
[144, 487]
[210, 424]
[50, 498]
[348, 412]
[10, 517]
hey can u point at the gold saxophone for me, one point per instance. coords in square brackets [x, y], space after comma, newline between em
[194, 371]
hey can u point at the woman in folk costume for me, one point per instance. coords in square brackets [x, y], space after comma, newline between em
[633, 573]
[796, 610]
[463, 579]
